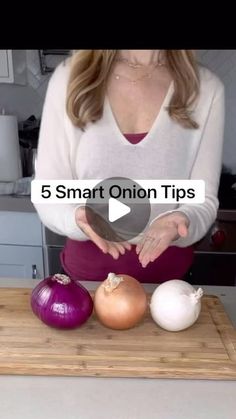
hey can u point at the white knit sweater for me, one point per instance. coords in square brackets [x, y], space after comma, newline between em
[169, 151]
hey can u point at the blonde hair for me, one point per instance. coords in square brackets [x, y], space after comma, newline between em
[89, 73]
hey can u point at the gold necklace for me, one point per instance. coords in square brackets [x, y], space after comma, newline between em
[135, 66]
[138, 65]
[144, 76]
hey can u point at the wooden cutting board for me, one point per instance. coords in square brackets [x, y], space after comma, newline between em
[207, 350]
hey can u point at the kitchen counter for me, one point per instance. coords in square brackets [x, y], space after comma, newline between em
[27, 397]
[19, 203]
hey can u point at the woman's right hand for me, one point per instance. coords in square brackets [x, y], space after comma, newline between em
[114, 248]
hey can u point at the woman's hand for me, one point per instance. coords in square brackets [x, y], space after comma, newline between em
[114, 248]
[160, 235]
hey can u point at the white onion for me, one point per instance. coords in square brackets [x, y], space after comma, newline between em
[175, 305]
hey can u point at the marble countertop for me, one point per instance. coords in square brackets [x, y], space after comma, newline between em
[27, 397]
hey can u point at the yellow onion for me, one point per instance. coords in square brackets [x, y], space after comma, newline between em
[120, 302]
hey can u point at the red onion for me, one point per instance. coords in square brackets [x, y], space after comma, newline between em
[61, 302]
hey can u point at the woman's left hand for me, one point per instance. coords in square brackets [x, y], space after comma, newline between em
[161, 233]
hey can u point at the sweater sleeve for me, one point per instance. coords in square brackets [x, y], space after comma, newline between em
[53, 157]
[207, 166]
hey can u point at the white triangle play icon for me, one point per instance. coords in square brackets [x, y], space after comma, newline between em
[116, 209]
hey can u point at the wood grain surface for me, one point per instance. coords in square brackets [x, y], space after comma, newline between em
[207, 350]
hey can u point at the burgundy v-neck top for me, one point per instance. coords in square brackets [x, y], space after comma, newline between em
[135, 138]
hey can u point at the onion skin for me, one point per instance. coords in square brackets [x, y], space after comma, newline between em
[124, 306]
[61, 306]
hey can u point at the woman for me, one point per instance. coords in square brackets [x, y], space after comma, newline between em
[140, 114]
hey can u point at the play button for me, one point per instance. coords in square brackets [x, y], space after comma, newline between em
[121, 213]
[117, 210]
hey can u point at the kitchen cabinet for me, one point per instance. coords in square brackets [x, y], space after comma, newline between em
[13, 66]
[6, 66]
[21, 245]
[21, 261]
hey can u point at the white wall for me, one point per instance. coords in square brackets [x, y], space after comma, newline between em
[24, 101]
